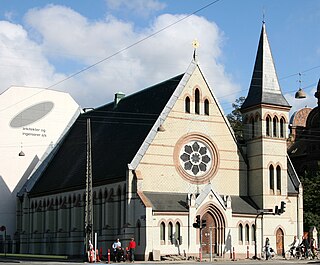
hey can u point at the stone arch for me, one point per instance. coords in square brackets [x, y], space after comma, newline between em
[216, 222]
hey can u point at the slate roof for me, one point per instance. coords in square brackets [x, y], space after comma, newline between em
[168, 202]
[177, 202]
[293, 180]
[264, 87]
[243, 205]
[117, 133]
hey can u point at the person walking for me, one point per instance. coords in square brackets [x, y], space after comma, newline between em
[132, 248]
[267, 248]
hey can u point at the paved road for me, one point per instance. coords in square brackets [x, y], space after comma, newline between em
[238, 262]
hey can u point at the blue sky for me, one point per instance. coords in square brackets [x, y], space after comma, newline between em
[43, 42]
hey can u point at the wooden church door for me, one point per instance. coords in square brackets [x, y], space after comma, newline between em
[279, 241]
[209, 231]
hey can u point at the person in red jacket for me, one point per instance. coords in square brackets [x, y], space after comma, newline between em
[132, 247]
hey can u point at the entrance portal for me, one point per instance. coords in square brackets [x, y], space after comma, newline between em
[213, 235]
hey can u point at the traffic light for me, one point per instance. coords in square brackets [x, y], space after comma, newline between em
[283, 207]
[197, 223]
[276, 210]
[203, 223]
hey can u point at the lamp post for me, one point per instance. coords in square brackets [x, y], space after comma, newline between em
[260, 212]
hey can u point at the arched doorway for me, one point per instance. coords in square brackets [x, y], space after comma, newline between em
[213, 235]
[279, 242]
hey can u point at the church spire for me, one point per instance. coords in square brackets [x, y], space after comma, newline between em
[264, 87]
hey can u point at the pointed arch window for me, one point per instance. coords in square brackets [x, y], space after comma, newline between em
[119, 210]
[282, 129]
[177, 233]
[240, 232]
[253, 229]
[187, 105]
[247, 231]
[162, 232]
[170, 233]
[271, 178]
[252, 127]
[275, 127]
[206, 107]
[278, 179]
[268, 125]
[138, 233]
[197, 101]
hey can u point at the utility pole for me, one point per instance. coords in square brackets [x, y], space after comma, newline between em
[88, 222]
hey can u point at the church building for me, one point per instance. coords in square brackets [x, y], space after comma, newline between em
[168, 170]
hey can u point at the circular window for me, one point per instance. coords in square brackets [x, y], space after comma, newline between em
[196, 158]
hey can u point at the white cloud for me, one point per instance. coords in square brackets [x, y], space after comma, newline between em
[58, 37]
[21, 60]
[140, 7]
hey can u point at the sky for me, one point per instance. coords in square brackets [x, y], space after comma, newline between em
[93, 49]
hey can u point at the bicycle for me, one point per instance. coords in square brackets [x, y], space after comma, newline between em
[293, 253]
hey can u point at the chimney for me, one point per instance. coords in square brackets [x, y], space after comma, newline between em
[117, 97]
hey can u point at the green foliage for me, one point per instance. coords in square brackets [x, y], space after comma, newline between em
[311, 198]
[235, 118]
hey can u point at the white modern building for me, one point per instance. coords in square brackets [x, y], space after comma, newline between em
[32, 122]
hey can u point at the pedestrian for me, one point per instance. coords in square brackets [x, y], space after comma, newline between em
[132, 248]
[267, 248]
[116, 246]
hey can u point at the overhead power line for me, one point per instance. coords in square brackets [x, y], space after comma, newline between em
[133, 44]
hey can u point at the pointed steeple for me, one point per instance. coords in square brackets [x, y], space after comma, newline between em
[264, 87]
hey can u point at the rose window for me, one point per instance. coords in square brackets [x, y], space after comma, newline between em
[195, 158]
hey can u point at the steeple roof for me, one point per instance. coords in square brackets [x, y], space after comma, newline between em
[264, 87]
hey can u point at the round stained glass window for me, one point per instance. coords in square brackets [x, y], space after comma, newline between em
[195, 158]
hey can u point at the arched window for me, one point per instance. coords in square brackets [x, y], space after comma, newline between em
[271, 178]
[282, 123]
[177, 233]
[279, 179]
[197, 101]
[187, 105]
[275, 127]
[240, 233]
[138, 233]
[247, 233]
[252, 127]
[170, 233]
[119, 210]
[206, 107]
[268, 125]
[162, 232]
[253, 230]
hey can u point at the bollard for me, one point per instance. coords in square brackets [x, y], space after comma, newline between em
[233, 254]
[247, 252]
[200, 254]
[109, 256]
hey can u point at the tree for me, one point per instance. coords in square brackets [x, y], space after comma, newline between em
[235, 118]
[311, 197]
